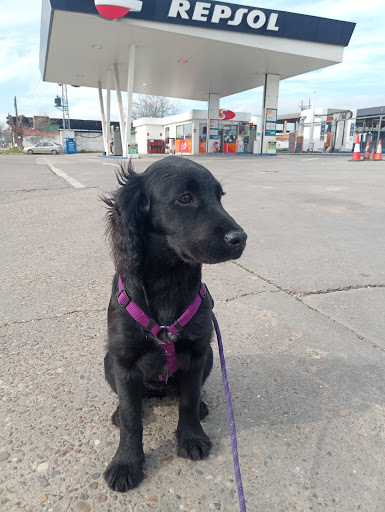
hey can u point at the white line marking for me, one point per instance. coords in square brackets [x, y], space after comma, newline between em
[308, 159]
[115, 165]
[65, 176]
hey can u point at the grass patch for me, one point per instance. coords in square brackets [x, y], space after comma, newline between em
[13, 151]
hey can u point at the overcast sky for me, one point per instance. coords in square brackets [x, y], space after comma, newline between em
[356, 83]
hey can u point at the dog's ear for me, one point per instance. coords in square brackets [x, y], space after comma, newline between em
[128, 208]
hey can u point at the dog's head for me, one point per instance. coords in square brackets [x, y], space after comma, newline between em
[173, 208]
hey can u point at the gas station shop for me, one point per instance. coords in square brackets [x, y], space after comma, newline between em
[185, 49]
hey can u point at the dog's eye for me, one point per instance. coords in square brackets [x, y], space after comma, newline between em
[185, 198]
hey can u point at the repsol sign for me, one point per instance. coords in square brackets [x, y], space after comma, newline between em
[219, 16]
[232, 16]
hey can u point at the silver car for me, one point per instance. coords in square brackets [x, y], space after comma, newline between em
[44, 147]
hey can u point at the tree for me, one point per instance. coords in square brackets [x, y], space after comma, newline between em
[153, 106]
[17, 131]
[5, 135]
[41, 122]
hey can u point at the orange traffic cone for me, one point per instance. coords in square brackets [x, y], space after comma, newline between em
[372, 157]
[356, 152]
[367, 153]
[379, 151]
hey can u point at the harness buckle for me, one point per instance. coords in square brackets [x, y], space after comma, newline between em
[150, 325]
[177, 326]
[126, 303]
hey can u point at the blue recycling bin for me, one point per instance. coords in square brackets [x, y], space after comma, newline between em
[70, 146]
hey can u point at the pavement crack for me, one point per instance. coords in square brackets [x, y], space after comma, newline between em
[359, 336]
[55, 317]
[299, 293]
[259, 276]
[250, 293]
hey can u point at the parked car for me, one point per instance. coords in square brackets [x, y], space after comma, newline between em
[44, 147]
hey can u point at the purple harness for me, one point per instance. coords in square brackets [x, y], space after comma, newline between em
[152, 327]
[169, 349]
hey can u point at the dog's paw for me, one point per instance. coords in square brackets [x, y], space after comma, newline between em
[194, 446]
[203, 410]
[122, 476]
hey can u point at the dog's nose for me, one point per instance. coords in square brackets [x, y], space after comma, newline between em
[236, 239]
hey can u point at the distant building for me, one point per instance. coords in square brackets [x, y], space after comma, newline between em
[331, 129]
[87, 133]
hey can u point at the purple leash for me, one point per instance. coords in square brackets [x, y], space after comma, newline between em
[169, 349]
[237, 470]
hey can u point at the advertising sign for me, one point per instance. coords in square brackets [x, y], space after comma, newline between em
[246, 19]
[114, 9]
[183, 145]
[214, 125]
[226, 114]
[270, 121]
[215, 15]
[133, 150]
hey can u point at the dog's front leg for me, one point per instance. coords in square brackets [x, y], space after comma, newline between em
[125, 470]
[193, 443]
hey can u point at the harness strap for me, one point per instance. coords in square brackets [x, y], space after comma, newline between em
[154, 328]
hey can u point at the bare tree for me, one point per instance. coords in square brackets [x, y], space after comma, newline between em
[153, 106]
[17, 131]
[41, 121]
[5, 135]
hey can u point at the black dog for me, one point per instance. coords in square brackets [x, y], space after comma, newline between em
[163, 224]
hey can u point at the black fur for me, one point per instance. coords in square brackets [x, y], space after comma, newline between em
[162, 225]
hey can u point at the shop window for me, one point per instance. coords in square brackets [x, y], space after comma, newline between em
[179, 132]
[359, 125]
[187, 129]
[372, 124]
[184, 138]
[202, 137]
[383, 124]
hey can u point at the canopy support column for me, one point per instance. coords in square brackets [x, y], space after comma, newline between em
[212, 138]
[130, 90]
[121, 113]
[108, 114]
[105, 141]
[269, 114]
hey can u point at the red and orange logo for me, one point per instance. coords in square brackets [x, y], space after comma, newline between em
[114, 9]
[226, 114]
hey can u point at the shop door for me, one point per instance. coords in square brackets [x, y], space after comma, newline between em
[220, 140]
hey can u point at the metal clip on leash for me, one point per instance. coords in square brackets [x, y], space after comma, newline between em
[237, 470]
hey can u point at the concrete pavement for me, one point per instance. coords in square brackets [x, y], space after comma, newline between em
[302, 321]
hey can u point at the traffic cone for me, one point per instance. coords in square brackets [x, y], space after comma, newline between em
[379, 151]
[367, 153]
[356, 152]
[372, 157]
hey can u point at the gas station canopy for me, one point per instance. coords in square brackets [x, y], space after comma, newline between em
[184, 49]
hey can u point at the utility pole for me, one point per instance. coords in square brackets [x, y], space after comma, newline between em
[17, 115]
[62, 104]
[17, 129]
